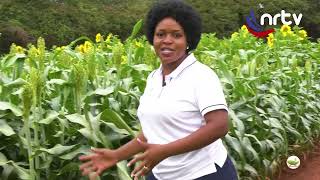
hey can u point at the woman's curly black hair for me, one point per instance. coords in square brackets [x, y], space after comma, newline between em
[184, 14]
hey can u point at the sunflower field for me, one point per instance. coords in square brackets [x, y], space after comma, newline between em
[58, 103]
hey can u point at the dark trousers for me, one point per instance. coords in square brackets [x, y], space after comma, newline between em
[227, 172]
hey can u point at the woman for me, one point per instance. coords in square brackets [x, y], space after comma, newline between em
[183, 112]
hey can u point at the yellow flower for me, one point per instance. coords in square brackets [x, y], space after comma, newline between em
[99, 38]
[16, 49]
[80, 48]
[302, 34]
[138, 44]
[270, 39]
[109, 37]
[87, 46]
[244, 31]
[124, 59]
[244, 28]
[234, 35]
[33, 52]
[20, 49]
[286, 30]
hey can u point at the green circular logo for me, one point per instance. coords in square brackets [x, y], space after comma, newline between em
[293, 162]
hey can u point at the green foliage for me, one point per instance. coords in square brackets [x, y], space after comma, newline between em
[56, 104]
[60, 22]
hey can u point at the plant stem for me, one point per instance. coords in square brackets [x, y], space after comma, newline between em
[29, 140]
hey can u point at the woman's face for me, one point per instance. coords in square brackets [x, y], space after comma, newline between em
[169, 41]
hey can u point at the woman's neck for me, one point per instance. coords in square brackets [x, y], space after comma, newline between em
[168, 68]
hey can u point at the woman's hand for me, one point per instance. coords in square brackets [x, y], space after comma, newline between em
[153, 155]
[100, 160]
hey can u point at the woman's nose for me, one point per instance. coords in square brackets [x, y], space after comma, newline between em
[167, 39]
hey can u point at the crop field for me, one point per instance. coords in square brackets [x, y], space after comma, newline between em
[57, 103]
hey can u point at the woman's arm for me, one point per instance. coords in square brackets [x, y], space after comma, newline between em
[130, 149]
[215, 128]
[102, 159]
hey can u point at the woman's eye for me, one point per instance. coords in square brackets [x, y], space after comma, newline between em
[159, 34]
[177, 35]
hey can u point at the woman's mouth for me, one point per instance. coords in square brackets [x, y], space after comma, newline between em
[166, 51]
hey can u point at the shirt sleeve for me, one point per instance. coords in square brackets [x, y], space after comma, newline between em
[209, 93]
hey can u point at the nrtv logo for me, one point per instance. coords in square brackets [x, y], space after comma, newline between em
[257, 29]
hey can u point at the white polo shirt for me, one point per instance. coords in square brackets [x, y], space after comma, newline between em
[175, 111]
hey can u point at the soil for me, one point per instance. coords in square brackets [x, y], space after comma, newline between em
[309, 168]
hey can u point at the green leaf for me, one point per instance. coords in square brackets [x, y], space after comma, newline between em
[235, 145]
[22, 172]
[77, 118]
[74, 153]
[123, 172]
[57, 149]
[116, 129]
[141, 67]
[256, 140]
[5, 128]
[292, 131]
[111, 116]
[273, 122]
[246, 144]
[104, 92]
[52, 115]
[273, 91]
[64, 122]
[7, 171]
[70, 167]
[238, 124]
[251, 170]
[18, 92]
[57, 81]
[12, 59]
[261, 111]
[3, 159]
[89, 135]
[17, 82]
[9, 106]
[136, 28]
[237, 104]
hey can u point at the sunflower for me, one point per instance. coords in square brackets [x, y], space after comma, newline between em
[244, 28]
[87, 46]
[20, 50]
[302, 34]
[80, 48]
[270, 39]
[99, 38]
[286, 30]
